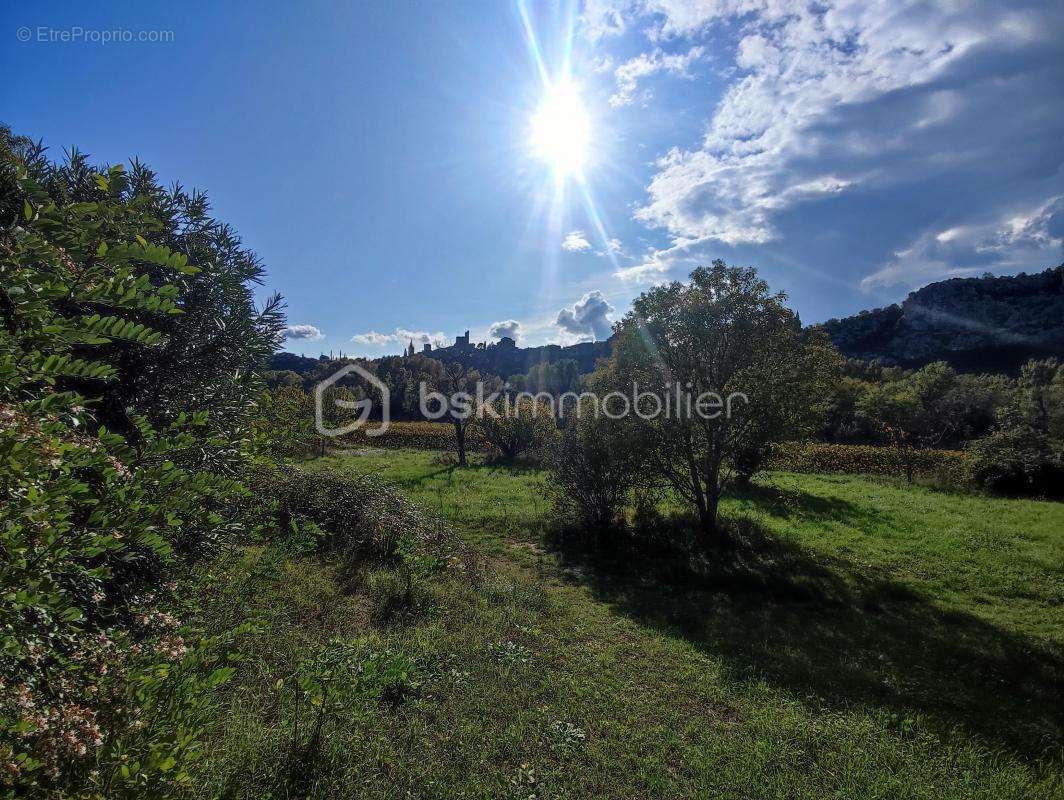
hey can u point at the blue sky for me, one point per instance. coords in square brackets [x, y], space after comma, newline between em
[377, 156]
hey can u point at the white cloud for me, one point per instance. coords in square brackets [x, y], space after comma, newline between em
[630, 72]
[576, 242]
[614, 247]
[657, 264]
[883, 102]
[509, 327]
[307, 333]
[373, 338]
[587, 318]
[1026, 241]
[401, 336]
[605, 18]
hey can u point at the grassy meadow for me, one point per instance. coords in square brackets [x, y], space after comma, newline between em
[879, 641]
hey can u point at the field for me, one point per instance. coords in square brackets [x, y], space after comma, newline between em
[866, 640]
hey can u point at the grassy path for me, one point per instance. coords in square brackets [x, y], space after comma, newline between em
[885, 642]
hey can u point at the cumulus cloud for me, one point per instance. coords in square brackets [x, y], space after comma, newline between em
[630, 72]
[912, 118]
[373, 338]
[587, 318]
[401, 336]
[576, 242]
[307, 333]
[509, 327]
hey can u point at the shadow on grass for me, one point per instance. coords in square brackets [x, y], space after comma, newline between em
[783, 502]
[823, 626]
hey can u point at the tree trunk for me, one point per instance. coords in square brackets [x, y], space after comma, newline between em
[459, 435]
[708, 502]
[907, 458]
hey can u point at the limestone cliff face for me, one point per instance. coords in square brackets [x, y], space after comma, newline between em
[976, 324]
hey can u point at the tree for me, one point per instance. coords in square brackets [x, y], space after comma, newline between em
[918, 410]
[592, 468]
[455, 386]
[1025, 454]
[96, 521]
[732, 362]
[515, 426]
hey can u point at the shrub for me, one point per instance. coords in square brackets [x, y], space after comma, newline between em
[1025, 455]
[365, 520]
[97, 522]
[522, 426]
[592, 474]
[861, 459]
[1018, 461]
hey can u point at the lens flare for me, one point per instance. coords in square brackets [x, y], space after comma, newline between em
[561, 130]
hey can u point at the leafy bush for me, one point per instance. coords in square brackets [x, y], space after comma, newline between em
[861, 459]
[520, 427]
[592, 472]
[209, 357]
[365, 520]
[1025, 455]
[285, 423]
[103, 505]
[1018, 462]
[326, 684]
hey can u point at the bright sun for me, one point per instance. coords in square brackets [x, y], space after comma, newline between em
[561, 130]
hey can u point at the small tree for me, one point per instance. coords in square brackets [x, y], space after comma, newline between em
[1025, 455]
[915, 411]
[733, 363]
[515, 427]
[592, 470]
[456, 384]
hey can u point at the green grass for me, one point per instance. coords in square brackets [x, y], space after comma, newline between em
[869, 640]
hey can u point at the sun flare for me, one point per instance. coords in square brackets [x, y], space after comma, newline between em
[561, 130]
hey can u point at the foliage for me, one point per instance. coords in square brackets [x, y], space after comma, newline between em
[514, 427]
[920, 410]
[327, 682]
[285, 425]
[365, 521]
[722, 336]
[210, 357]
[836, 459]
[1025, 455]
[555, 378]
[105, 500]
[593, 470]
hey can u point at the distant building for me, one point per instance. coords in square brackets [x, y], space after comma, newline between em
[427, 347]
[410, 349]
[507, 342]
[462, 341]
